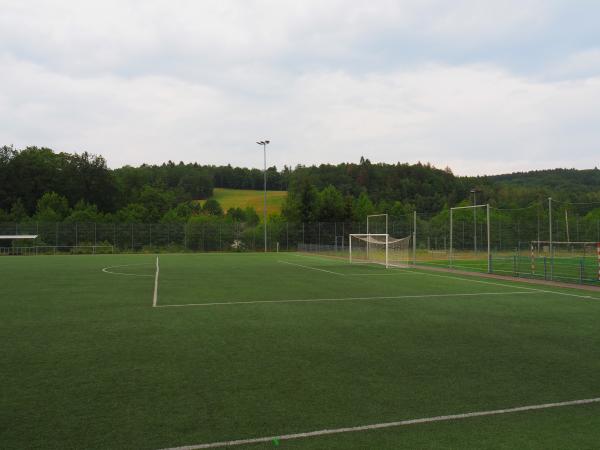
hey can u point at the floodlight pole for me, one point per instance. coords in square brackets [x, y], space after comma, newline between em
[264, 145]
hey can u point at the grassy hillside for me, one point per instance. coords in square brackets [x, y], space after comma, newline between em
[231, 198]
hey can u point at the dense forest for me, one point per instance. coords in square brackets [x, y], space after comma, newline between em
[42, 185]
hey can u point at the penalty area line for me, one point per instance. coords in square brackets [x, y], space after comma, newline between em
[155, 297]
[309, 267]
[348, 299]
[107, 270]
[338, 273]
[377, 426]
[420, 271]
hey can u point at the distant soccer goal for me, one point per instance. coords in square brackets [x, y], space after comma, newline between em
[56, 250]
[379, 249]
[562, 249]
[8, 242]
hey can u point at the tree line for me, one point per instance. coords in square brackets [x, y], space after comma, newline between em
[43, 185]
[38, 183]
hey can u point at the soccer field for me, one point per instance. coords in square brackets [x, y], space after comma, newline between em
[119, 352]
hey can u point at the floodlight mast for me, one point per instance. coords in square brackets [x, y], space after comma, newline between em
[264, 144]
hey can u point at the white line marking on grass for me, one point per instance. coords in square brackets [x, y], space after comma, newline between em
[308, 267]
[155, 298]
[338, 273]
[347, 299]
[426, 273]
[502, 284]
[373, 274]
[322, 258]
[378, 426]
[454, 277]
[106, 270]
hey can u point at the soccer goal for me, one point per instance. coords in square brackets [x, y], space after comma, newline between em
[564, 249]
[379, 249]
[7, 241]
[35, 250]
[566, 260]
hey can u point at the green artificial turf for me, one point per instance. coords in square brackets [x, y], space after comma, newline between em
[89, 363]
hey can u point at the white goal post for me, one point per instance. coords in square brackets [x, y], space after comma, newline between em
[17, 237]
[379, 248]
[372, 216]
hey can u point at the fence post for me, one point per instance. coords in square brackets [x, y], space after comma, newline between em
[415, 238]
[550, 236]
[545, 269]
[450, 255]
[489, 238]
[319, 236]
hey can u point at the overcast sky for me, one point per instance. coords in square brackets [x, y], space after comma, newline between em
[481, 86]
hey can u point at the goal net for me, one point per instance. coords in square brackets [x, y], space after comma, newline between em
[379, 249]
[35, 250]
[561, 249]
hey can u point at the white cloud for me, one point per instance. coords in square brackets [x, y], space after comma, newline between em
[201, 81]
[581, 64]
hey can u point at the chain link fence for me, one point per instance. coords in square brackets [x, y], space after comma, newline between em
[519, 240]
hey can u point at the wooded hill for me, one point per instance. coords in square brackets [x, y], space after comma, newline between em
[40, 184]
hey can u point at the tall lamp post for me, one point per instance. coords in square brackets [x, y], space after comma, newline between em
[264, 145]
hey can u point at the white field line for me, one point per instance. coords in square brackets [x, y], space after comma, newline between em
[338, 273]
[322, 258]
[155, 298]
[347, 299]
[506, 285]
[378, 426]
[106, 270]
[451, 277]
[309, 267]
[373, 274]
